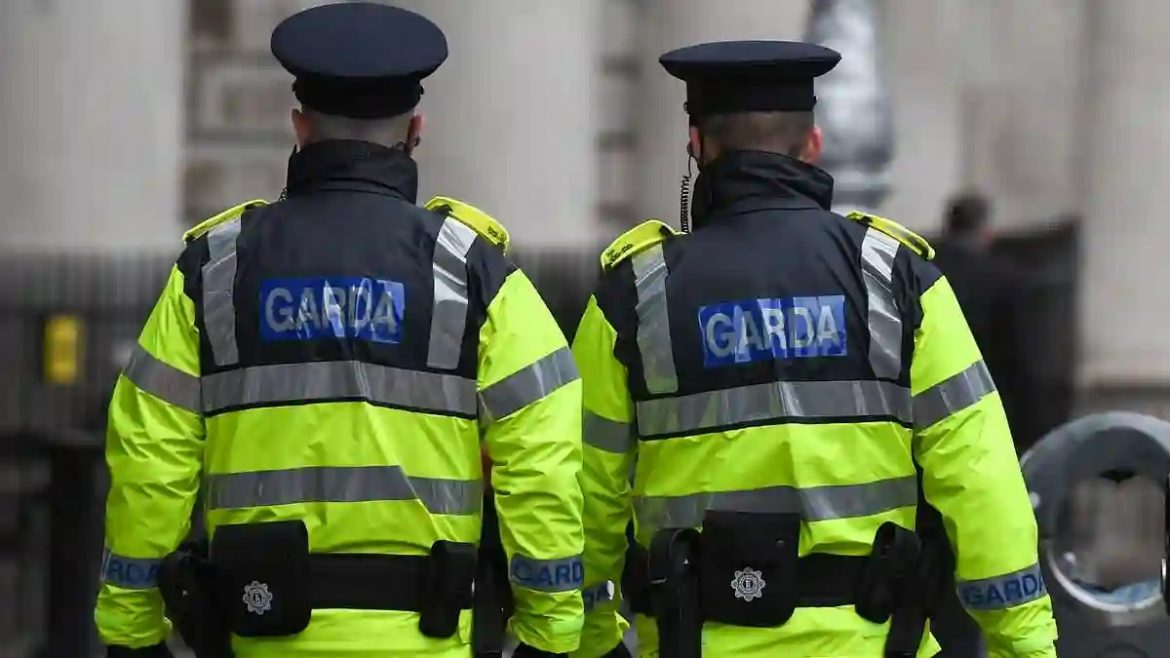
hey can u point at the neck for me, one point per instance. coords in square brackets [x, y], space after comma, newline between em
[352, 165]
[761, 179]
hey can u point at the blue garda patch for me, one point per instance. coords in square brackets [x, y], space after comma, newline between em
[779, 328]
[332, 307]
[561, 575]
[1003, 592]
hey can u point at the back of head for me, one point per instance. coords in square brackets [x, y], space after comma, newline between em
[777, 132]
[392, 132]
[967, 216]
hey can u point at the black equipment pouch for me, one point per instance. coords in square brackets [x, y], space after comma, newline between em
[748, 571]
[186, 584]
[674, 593]
[895, 554]
[493, 602]
[917, 596]
[448, 588]
[262, 572]
[636, 579]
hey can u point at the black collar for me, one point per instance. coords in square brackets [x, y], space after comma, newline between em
[352, 165]
[742, 180]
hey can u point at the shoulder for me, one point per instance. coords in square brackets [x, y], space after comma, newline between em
[195, 249]
[914, 262]
[638, 239]
[484, 225]
[616, 292]
[911, 240]
[487, 259]
[202, 228]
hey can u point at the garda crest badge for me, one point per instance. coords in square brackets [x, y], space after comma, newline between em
[257, 597]
[748, 584]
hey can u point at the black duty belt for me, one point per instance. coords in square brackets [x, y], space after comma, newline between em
[823, 581]
[267, 583]
[369, 582]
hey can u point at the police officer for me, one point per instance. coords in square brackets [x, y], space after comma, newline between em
[323, 369]
[774, 377]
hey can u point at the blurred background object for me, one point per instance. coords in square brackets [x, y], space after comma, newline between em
[126, 121]
[1097, 488]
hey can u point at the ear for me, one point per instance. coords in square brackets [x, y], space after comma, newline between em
[301, 128]
[695, 145]
[414, 133]
[814, 145]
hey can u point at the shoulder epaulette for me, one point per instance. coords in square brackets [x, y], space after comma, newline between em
[915, 242]
[476, 219]
[639, 238]
[231, 213]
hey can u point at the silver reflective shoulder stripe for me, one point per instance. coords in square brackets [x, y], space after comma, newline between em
[823, 503]
[650, 274]
[163, 381]
[1000, 592]
[341, 484]
[952, 395]
[129, 572]
[773, 402]
[605, 434]
[449, 315]
[528, 385]
[885, 322]
[219, 282]
[339, 380]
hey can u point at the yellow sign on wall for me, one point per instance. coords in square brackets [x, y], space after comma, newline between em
[62, 349]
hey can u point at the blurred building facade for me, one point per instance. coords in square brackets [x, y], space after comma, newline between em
[126, 119]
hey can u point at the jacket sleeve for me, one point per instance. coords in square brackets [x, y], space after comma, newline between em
[154, 449]
[530, 399]
[972, 476]
[608, 455]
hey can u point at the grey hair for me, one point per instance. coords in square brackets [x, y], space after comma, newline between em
[391, 131]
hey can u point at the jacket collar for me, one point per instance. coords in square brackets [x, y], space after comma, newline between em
[754, 180]
[352, 165]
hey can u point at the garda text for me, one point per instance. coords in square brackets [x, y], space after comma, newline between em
[332, 307]
[779, 328]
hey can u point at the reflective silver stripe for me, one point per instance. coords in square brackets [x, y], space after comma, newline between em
[1005, 591]
[605, 434]
[129, 572]
[527, 385]
[333, 380]
[952, 395]
[560, 575]
[449, 315]
[813, 503]
[653, 321]
[219, 282]
[341, 484]
[775, 402]
[885, 323]
[163, 381]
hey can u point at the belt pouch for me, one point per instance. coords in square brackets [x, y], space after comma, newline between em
[449, 581]
[261, 574]
[748, 572]
[895, 553]
[636, 579]
[674, 592]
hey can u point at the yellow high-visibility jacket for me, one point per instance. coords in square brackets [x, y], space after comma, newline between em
[784, 358]
[338, 357]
